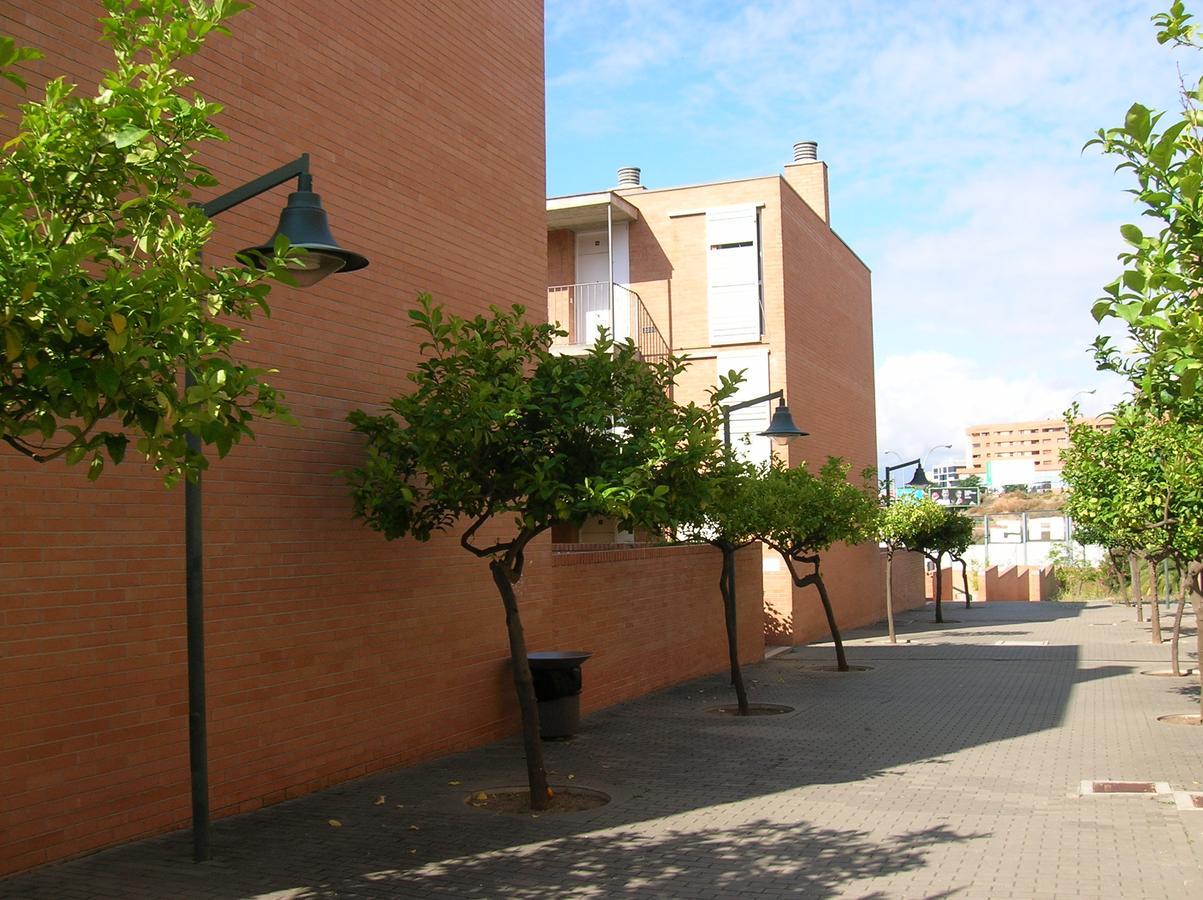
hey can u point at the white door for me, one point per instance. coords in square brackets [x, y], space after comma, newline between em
[592, 292]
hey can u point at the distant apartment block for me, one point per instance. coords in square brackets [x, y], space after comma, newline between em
[1033, 446]
[944, 475]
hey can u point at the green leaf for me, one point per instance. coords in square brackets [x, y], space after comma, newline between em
[12, 345]
[1138, 122]
[1132, 234]
[129, 135]
[1129, 312]
[116, 340]
[116, 444]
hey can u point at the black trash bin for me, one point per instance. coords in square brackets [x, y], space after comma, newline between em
[557, 678]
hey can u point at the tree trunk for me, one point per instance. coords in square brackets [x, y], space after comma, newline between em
[965, 581]
[939, 609]
[726, 584]
[1196, 602]
[1176, 633]
[1119, 577]
[1155, 605]
[841, 660]
[890, 597]
[1137, 594]
[536, 774]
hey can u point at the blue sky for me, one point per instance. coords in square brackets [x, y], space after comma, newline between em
[953, 133]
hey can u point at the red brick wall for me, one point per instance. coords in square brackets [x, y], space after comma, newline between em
[799, 617]
[662, 625]
[908, 581]
[327, 646]
[828, 347]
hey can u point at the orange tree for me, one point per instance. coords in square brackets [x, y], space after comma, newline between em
[898, 523]
[103, 298]
[498, 428]
[724, 518]
[950, 535]
[1140, 486]
[800, 515]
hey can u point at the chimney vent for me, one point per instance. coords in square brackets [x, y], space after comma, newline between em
[806, 151]
[628, 177]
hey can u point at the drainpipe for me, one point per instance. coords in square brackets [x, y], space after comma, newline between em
[610, 256]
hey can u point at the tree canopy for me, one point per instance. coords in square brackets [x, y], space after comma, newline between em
[900, 523]
[1138, 486]
[104, 300]
[800, 513]
[1157, 297]
[498, 427]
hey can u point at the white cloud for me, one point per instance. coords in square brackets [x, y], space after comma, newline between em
[1010, 270]
[928, 398]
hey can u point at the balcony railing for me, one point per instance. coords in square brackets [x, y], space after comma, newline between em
[584, 309]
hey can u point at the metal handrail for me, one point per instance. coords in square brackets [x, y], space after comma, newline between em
[583, 308]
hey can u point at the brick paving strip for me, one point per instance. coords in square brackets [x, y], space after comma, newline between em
[952, 768]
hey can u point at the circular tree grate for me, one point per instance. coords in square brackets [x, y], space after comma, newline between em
[754, 709]
[516, 801]
[1181, 719]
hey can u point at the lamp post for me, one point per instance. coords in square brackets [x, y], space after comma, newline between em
[781, 429]
[919, 479]
[904, 465]
[303, 223]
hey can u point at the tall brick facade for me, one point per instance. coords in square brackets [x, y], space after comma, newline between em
[817, 333]
[331, 652]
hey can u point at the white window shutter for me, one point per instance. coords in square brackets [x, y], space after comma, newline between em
[733, 274]
[755, 419]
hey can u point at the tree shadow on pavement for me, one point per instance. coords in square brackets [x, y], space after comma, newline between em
[777, 859]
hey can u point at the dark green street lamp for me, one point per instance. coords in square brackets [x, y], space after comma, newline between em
[303, 223]
[781, 427]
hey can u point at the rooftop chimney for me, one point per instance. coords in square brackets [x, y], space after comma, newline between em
[807, 175]
[628, 177]
[806, 151]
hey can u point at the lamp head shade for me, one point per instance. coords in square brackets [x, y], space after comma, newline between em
[782, 428]
[919, 480]
[303, 222]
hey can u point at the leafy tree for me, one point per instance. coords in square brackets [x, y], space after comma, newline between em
[499, 430]
[1141, 483]
[104, 298]
[800, 515]
[898, 525]
[727, 521]
[968, 481]
[951, 535]
[1157, 297]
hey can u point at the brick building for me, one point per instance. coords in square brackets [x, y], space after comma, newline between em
[1038, 443]
[744, 274]
[331, 653]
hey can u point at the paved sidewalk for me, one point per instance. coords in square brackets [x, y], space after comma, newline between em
[950, 769]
